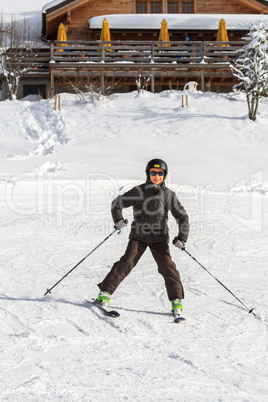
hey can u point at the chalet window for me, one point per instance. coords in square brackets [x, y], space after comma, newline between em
[187, 8]
[173, 7]
[141, 7]
[156, 7]
[180, 7]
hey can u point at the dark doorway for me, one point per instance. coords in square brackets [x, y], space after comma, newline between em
[34, 90]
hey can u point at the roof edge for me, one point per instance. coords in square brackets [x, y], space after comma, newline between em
[55, 7]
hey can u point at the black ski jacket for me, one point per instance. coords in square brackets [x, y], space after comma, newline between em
[150, 210]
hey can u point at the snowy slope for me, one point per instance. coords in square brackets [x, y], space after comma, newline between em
[59, 174]
[58, 348]
[210, 143]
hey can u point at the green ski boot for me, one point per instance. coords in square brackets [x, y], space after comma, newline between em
[103, 298]
[176, 305]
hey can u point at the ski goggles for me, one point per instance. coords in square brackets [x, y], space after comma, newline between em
[154, 173]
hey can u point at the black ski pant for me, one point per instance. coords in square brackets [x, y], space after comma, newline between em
[134, 251]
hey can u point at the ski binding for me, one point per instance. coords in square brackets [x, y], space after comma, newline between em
[106, 310]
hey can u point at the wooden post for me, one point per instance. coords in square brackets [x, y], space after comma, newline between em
[187, 101]
[102, 53]
[55, 103]
[202, 81]
[102, 82]
[52, 87]
[69, 16]
[152, 81]
[152, 52]
[182, 101]
[51, 51]
[202, 51]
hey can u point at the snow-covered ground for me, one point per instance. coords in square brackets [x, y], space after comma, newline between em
[60, 170]
[212, 142]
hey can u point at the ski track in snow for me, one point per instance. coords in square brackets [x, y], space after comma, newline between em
[43, 126]
[58, 347]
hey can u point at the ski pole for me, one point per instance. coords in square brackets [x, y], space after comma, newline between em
[249, 310]
[83, 259]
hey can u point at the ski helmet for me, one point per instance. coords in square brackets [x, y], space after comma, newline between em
[156, 163]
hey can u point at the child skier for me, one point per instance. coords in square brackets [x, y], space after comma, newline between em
[151, 202]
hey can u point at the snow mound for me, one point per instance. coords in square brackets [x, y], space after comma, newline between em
[31, 98]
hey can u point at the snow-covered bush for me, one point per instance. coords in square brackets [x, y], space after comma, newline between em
[251, 67]
[142, 83]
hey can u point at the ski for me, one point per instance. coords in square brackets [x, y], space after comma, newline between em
[179, 319]
[106, 310]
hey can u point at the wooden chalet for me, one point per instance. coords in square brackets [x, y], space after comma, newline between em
[75, 15]
[134, 50]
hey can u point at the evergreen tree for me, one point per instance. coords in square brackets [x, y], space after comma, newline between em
[251, 67]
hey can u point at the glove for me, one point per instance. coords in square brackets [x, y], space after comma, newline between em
[178, 243]
[119, 225]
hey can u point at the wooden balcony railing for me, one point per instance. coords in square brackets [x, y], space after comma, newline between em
[207, 61]
[144, 52]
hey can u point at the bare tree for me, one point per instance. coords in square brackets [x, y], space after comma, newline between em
[91, 91]
[17, 54]
[2, 29]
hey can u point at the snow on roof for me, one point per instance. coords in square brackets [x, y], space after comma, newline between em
[178, 21]
[55, 3]
[52, 4]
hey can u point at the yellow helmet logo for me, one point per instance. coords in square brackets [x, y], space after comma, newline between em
[157, 166]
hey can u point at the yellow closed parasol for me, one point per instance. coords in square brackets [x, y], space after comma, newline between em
[105, 34]
[164, 36]
[222, 35]
[61, 36]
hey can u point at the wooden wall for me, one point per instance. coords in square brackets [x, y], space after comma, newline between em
[224, 6]
[78, 27]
